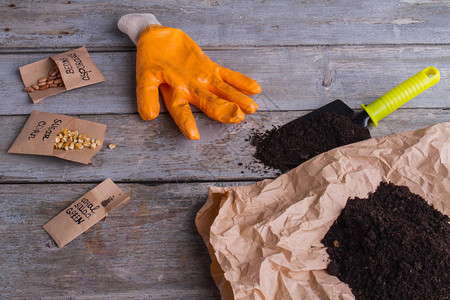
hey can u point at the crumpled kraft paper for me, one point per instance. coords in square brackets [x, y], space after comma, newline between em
[264, 239]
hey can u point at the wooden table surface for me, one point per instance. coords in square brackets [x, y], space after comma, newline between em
[304, 54]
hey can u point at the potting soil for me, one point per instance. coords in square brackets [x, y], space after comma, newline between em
[290, 145]
[392, 245]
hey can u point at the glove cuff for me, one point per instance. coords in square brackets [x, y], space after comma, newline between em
[133, 24]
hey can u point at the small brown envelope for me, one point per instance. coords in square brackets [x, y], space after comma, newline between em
[76, 67]
[39, 132]
[85, 212]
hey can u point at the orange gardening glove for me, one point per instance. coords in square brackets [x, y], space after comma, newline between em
[169, 59]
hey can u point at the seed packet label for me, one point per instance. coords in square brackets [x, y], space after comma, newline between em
[85, 212]
[37, 136]
[76, 67]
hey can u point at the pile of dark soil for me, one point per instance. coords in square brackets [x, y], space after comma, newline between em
[392, 245]
[292, 144]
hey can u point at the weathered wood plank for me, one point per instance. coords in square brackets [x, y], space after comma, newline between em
[65, 24]
[148, 248]
[291, 78]
[157, 151]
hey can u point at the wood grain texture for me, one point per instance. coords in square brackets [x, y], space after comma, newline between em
[31, 25]
[304, 54]
[296, 78]
[156, 151]
[147, 248]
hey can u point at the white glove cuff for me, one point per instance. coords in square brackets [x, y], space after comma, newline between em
[133, 24]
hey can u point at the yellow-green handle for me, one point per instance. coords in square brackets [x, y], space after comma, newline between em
[401, 94]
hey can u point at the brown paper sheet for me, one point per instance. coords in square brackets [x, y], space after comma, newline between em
[37, 136]
[76, 67]
[264, 239]
[85, 212]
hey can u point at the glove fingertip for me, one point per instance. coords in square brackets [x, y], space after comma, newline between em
[255, 89]
[191, 133]
[188, 126]
[194, 136]
[251, 108]
[148, 114]
[237, 118]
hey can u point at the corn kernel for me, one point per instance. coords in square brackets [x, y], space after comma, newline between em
[71, 139]
[111, 146]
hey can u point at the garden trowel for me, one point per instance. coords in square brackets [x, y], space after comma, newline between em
[387, 103]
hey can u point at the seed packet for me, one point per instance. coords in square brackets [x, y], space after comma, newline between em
[85, 212]
[58, 135]
[60, 73]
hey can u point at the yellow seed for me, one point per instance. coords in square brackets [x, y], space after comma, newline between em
[72, 139]
[111, 146]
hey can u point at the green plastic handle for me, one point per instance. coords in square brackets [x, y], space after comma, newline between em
[401, 94]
